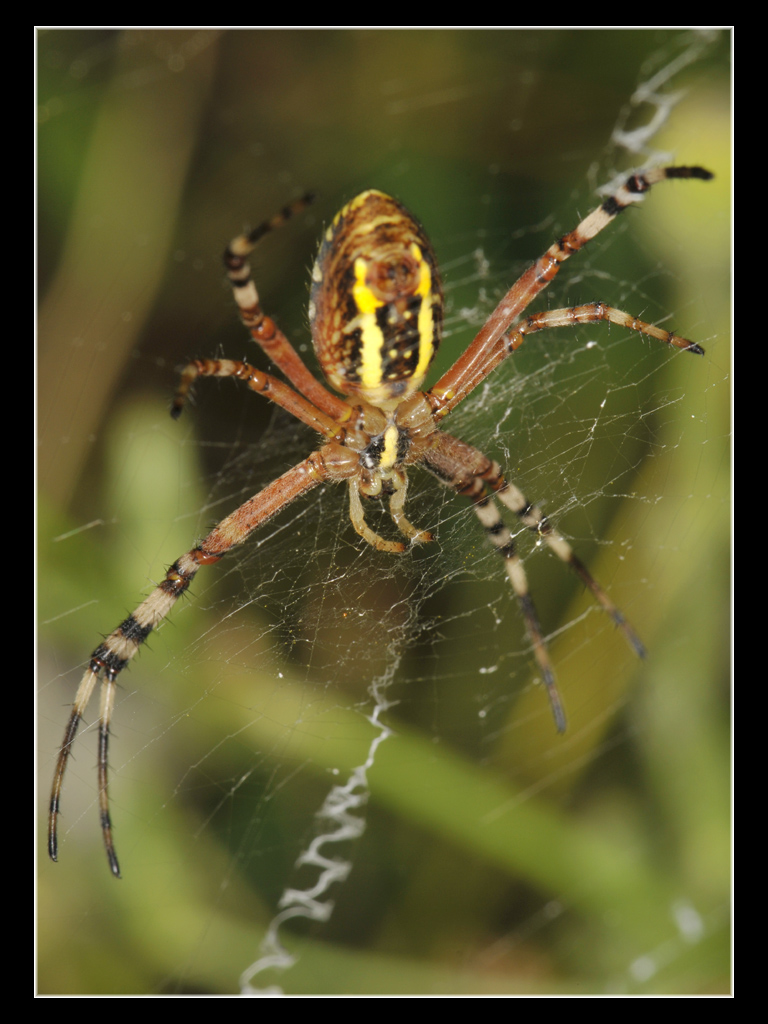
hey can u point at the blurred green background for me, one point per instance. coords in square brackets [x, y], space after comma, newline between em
[498, 858]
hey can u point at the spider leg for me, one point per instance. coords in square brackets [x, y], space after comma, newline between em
[82, 698]
[472, 474]
[499, 535]
[105, 717]
[263, 384]
[490, 347]
[532, 517]
[333, 461]
[591, 313]
[263, 329]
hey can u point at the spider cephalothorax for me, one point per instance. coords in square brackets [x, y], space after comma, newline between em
[376, 313]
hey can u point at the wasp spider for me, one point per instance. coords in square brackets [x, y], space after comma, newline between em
[376, 311]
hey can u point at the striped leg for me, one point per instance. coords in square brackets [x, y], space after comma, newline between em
[490, 347]
[109, 659]
[113, 655]
[263, 329]
[499, 535]
[478, 478]
[532, 517]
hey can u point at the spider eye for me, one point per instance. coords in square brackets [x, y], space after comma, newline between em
[376, 306]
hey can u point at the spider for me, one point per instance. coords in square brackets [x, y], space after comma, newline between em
[376, 311]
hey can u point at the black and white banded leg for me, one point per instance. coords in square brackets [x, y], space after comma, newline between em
[479, 479]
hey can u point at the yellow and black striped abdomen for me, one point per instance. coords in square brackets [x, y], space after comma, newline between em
[376, 306]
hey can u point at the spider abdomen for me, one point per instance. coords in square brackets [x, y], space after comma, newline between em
[376, 305]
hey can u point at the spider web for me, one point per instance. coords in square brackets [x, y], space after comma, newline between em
[331, 759]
